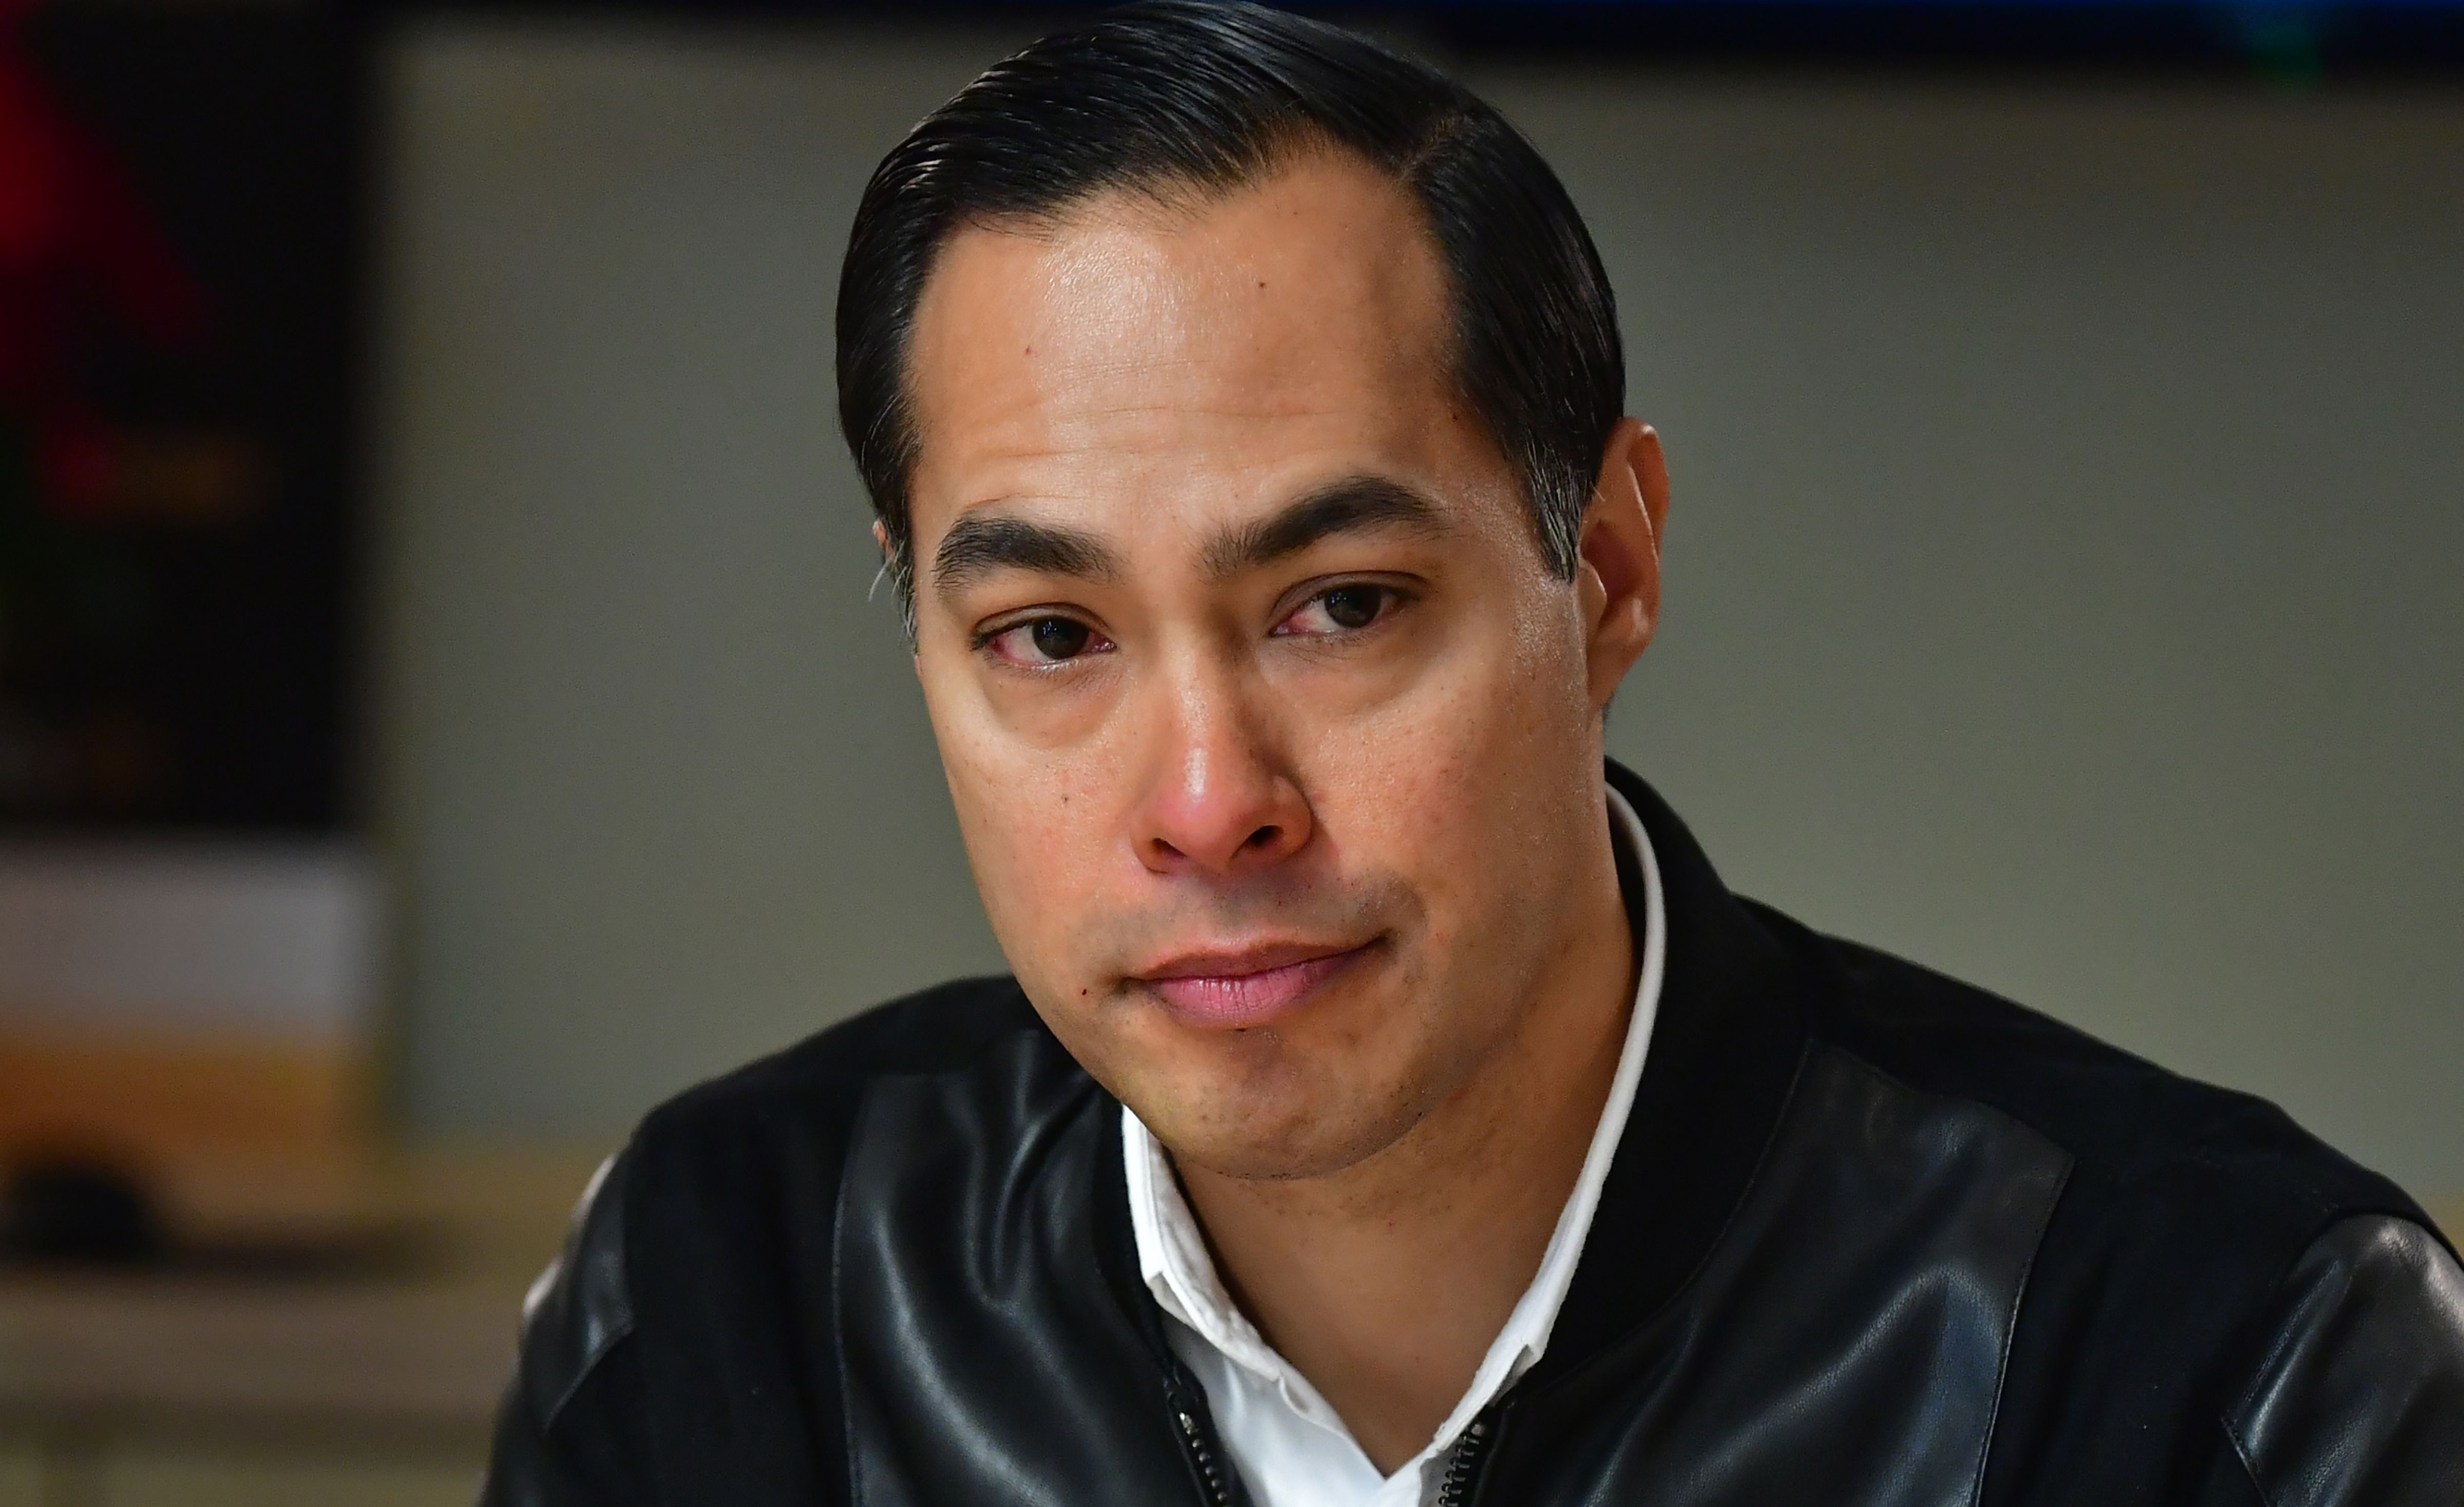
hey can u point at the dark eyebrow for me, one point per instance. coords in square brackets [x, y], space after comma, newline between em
[978, 545]
[1348, 505]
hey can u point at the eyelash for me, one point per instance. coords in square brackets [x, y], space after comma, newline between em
[986, 639]
[1392, 599]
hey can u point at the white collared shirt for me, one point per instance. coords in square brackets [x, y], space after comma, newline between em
[1292, 1447]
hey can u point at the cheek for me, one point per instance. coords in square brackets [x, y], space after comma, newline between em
[1044, 836]
[1463, 745]
[1020, 816]
[1472, 784]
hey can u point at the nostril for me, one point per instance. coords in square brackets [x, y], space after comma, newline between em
[1263, 837]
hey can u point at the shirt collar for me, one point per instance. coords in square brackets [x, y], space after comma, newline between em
[1178, 1269]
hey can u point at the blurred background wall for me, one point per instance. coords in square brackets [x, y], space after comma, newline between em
[2062, 579]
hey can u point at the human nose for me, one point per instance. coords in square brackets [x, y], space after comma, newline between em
[1220, 802]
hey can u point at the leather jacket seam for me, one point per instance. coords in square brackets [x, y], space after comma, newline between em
[1537, 1385]
[2019, 1290]
[1744, 1190]
[2011, 1325]
[2286, 1337]
[2241, 1456]
[838, 1288]
[582, 1374]
[619, 1332]
[838, 1255]
[2283, 1339]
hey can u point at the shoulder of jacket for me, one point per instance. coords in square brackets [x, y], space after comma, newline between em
[2143, 1132]
[707, 1161]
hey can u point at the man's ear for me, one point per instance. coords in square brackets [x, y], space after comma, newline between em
[1617, 577]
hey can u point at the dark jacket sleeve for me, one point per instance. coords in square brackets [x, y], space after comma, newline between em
[2358, 1399]
[570, 1431]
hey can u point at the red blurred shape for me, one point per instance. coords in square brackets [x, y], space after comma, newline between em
[76, 245]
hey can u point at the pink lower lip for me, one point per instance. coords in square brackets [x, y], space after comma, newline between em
[1229, 1001]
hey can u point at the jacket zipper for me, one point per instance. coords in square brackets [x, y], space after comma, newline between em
[1202, 1454]
[1463, 1472]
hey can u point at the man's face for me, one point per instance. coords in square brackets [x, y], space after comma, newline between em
[1268, 729]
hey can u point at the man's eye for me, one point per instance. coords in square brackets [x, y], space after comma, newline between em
[1341, 610]
[1046, 641]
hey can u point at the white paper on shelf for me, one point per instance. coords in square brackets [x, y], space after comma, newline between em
[264, 939]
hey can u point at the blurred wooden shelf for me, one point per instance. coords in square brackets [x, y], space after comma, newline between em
[401, 1360]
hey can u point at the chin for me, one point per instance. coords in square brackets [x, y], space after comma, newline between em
[1273, 1159]
[1277, 1126]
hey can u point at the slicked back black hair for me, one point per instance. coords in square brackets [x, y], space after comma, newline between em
[1173, 95]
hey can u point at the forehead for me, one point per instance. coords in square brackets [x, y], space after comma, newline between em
[1298, 323]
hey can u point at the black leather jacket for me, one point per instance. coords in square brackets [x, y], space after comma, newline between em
[1871, 1237]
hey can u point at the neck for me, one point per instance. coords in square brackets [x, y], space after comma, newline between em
[1385, 1284]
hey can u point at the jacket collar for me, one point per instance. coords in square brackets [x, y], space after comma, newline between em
[1735, 1012]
